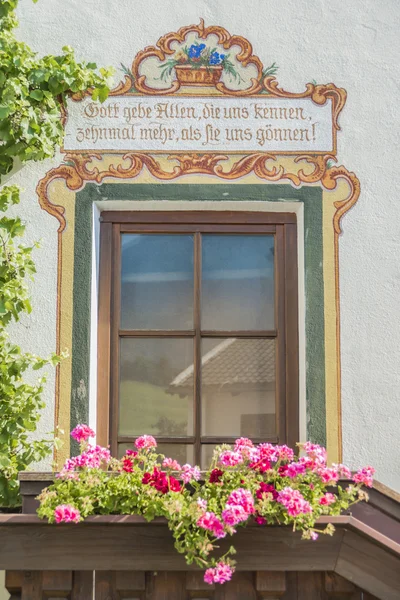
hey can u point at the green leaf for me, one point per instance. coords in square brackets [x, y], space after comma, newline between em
[4, 461]
[55, 86]
[36, 95]
[4, 111]
[103, 93]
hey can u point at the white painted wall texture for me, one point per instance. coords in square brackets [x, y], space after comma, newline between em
[353, 44]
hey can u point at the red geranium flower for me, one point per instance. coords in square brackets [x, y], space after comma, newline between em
[159, 481]
[261, 466]
[215, 475]
[127, 465]
[266, 488]
[174, 485]
[260, 520]
[147, 477]
[131, 453]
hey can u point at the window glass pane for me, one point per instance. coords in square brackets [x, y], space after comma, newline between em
[237, 282]
[156, 281]
[207, 451]
[149, 402]
[238, 387]
[180, 452]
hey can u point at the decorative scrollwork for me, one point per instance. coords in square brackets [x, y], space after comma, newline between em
[318, 94]
[81, 168]
[163, 49]
[342, 206]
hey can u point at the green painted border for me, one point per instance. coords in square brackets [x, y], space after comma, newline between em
[311, 197]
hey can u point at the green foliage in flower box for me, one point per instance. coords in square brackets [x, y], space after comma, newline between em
[264, 484]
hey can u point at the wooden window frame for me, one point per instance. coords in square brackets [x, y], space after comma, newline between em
[284, 227]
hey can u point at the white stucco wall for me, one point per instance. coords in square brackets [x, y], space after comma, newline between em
[355, 45]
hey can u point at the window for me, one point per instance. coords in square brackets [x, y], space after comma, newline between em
[198, 340]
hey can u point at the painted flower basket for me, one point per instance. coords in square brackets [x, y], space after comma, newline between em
[198, 65]
[203, 76]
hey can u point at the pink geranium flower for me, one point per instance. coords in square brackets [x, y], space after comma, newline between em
[211, 522]
[189, 473]
[284, 453]
[201, 503]
[244, 446]
[294, 502]
[170, 463]
[145, 441]
[219, 574]
[232, 515]
[295, 469]
[268, 452]
[91, 458]
[230, 459]
[344, 472]
[243, 442]
[365, 476]
[328, 475]
[253, 455]
[309, 463]
[82, 433]
[243, 498]
[327, 499]
[65, 513]
[316, 452]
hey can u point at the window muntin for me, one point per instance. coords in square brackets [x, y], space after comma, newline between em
[198, 346]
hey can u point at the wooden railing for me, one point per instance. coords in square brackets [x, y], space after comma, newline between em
[165, 585]
[122, 557]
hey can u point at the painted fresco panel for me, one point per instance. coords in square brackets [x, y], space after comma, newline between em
[351, 46]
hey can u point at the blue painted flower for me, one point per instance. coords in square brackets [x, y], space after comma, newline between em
[195, 50]
[216, 58]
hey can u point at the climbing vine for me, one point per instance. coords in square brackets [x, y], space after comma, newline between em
[33, 91]
[20, 399]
